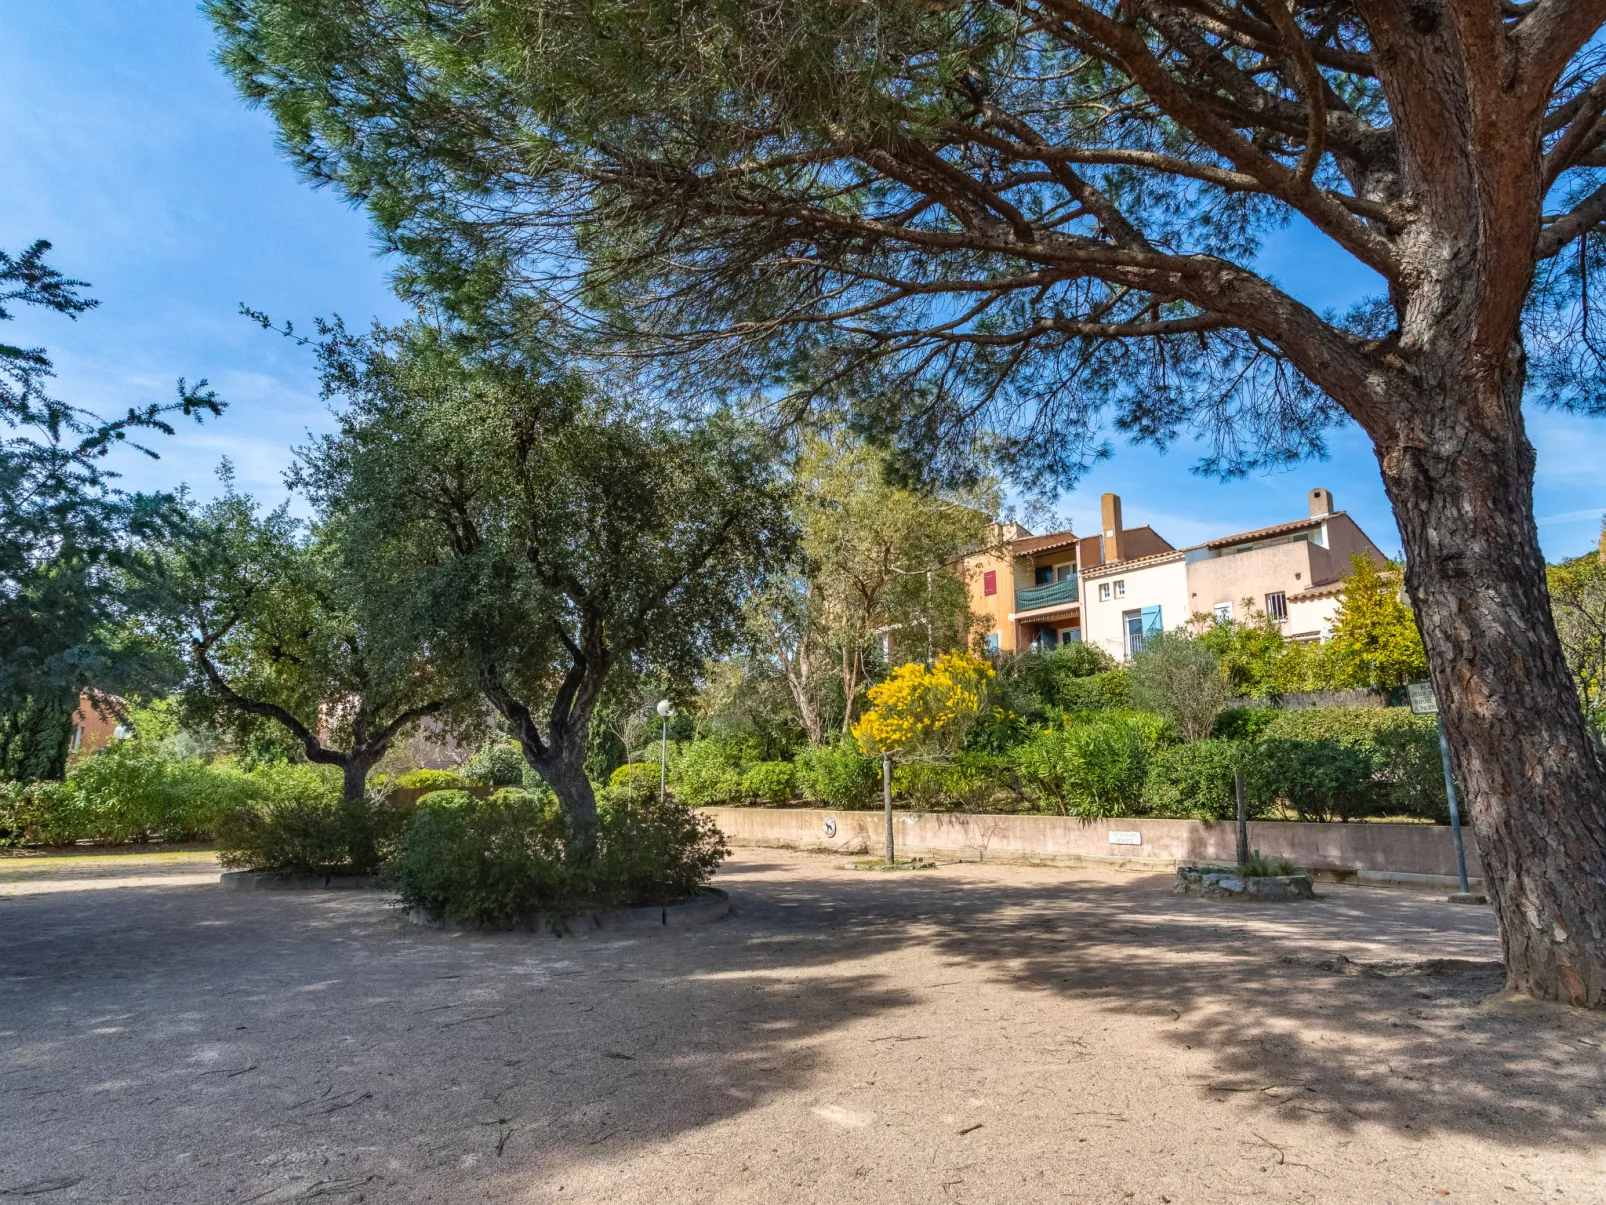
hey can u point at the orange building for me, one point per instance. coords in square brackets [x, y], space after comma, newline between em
[1029, 594]
[92, 729]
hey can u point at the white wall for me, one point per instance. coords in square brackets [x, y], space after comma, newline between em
[1311, 615]
[1163, 585]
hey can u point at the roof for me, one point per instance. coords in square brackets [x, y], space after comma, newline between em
[1275, 530]
[1241, 537]
[1137, 562]
[1035, 544]
[1325, 590]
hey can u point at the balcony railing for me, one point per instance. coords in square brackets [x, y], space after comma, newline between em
[1046, 596]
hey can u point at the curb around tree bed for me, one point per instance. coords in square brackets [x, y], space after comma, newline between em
[268, 880]
[710, 905]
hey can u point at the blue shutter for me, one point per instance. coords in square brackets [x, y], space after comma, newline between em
[1151, 622]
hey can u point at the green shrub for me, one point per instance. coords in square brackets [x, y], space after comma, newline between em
[770, 782]
[1243, 723]
[294, 822]
[1107, 691]
[1257, 867]
[502, 860]
[498, 765]
[137, 791]
[431, 780]
[39, 813]
[1408, 775]
[1319, 780]
[1193, 780]
[635, 780]
[966, 784]
[839, 776]
[1092, 766]
[705, 773]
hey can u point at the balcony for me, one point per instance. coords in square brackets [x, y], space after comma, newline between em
[1055, 595]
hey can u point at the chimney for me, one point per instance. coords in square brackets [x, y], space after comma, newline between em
[1110, 526]
[1321, 502]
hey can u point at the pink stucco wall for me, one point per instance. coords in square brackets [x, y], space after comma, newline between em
[1374, 850]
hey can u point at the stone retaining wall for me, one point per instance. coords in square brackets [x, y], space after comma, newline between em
[1410, 854]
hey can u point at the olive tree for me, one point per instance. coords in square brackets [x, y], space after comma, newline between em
[276, 623]
[545, 533]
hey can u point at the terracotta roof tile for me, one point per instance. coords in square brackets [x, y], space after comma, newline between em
[1274, 530]
[1044, 543]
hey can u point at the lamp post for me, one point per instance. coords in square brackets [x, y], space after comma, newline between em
[665, 710]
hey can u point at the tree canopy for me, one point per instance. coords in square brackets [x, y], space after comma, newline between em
[540, 531]
[66, 531]
[880, 568]
[278, 624]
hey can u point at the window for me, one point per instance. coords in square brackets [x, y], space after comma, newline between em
[1070, 635]
[1223, 612]
[1064, 572]
[989, 582]
[1277, 606]
[992, 643]
[1120, 589]
[1043, 575]
[1104, 591]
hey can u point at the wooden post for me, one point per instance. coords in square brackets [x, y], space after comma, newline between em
[1243, 818]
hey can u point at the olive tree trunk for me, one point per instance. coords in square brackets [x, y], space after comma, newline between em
[360, 843]
[562, 767]
[1459, 470]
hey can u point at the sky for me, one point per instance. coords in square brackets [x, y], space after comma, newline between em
[123, 144]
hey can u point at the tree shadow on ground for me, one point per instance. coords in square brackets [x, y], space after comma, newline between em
[321, 1040]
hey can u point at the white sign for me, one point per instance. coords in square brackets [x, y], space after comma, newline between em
[1117, 838]
[1423, 700]
[829, 826]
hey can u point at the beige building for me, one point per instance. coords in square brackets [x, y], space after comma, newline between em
[1114, 588]
[1290, 572]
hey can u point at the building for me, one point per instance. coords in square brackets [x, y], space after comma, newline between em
[1027, 592]
[1117, 587]
[93, 728]
[1290, 572]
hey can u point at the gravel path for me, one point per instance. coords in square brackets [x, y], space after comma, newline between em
[969, 1034]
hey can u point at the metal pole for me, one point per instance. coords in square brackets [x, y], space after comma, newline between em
[1455, 812]
[1243, 818]
[886, 799]
[663, 762]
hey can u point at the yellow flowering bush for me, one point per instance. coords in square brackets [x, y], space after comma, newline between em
[925, 709]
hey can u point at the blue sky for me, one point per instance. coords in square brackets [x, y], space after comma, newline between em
[123, 144]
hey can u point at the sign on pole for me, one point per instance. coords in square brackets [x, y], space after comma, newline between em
[1425, 702]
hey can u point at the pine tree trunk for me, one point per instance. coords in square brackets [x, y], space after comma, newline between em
[1459, 471]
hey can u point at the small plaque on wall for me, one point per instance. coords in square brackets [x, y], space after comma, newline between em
[1119, 838]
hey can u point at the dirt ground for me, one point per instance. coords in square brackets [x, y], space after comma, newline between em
[968, 1034]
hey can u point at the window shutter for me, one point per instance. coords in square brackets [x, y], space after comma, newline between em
[989, 582]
